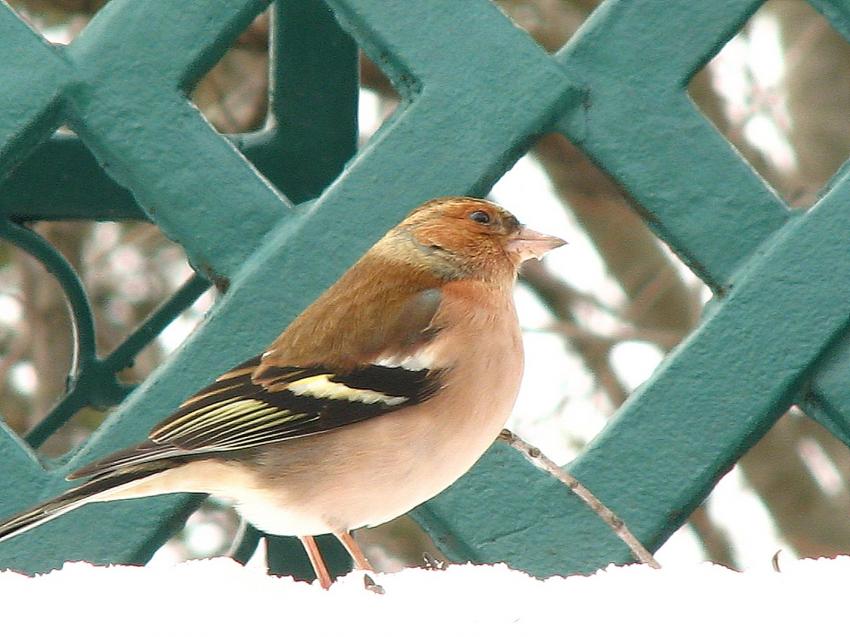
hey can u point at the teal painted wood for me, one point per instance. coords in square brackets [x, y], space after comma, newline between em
[476, 92]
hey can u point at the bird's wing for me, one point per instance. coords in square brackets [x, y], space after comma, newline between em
[258, 403]
[242, 410]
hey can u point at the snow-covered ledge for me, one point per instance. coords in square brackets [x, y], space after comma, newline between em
[220, 597]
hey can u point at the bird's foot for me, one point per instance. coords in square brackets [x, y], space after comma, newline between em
[433, 564]
[370, 585]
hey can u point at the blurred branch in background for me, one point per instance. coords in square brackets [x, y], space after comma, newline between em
[785, 112]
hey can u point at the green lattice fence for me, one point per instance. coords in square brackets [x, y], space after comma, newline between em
[476, 93]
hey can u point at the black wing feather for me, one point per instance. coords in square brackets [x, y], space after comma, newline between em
[238, 412]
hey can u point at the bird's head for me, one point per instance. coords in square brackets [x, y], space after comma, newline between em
[468, 237]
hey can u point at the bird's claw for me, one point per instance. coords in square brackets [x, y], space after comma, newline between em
[371, 585]
[433, 564]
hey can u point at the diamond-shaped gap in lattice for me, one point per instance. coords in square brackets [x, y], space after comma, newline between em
[308, 121]
[36, 344]
[550, 22]
[127, 269]
[234, 94]
[778, 91]
[59, 22]
[377, 100]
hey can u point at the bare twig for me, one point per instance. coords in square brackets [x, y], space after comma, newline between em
[774, 561]
[19, 347]
[538, 459]
[577, 333]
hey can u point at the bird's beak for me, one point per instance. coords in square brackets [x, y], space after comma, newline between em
[530, 244]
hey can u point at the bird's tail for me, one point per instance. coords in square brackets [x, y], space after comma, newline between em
[102, 487]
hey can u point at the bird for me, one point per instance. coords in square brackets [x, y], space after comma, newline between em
[377, 397]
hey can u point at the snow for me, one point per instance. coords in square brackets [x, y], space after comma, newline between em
[220, 597]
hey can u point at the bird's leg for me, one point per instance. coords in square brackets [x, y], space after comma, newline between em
[316, 560]
[360, 561]
[354, 550]
[238, 538]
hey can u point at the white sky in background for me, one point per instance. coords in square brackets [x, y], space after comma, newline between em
[757, 107]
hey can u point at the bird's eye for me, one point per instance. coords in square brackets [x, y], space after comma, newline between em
[479, 216]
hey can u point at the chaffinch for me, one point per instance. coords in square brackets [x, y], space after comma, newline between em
[377, 397]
